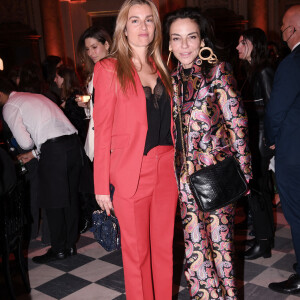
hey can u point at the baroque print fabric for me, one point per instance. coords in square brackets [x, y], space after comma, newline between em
[214, 126]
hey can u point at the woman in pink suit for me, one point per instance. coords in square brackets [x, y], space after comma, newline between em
[134, 149]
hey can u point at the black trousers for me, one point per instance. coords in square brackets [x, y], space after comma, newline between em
[63, 214]
[88, 202]
[260, 201]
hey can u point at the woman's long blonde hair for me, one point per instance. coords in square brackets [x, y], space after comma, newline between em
[122, 51]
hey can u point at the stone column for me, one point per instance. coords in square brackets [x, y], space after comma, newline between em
[258, 14]
[52, 28]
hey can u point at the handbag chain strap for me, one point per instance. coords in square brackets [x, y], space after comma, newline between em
[182, 141]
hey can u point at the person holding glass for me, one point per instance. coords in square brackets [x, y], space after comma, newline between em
[93, 45]
[134, 149]
[213, 126]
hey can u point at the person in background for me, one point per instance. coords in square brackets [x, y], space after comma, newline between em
[31, 81]
[93, 45]
[256, 91]
[69, 85]
[134, 150]
[282, 131]
[31, 78]
[205, 93]
[36, 122]
[14, 75]
[49, 66]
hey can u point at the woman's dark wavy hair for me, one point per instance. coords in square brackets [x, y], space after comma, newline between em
[71, 82]
[259, 54]
[98, 33]
[205, 24]
[49, 67]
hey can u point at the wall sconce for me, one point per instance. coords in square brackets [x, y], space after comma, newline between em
[1, 65]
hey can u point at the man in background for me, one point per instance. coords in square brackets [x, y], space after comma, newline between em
[282, 123]
[36, 121]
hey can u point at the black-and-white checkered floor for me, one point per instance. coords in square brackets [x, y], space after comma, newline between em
[97, 274]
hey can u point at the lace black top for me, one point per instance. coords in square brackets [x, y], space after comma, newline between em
[159, 117]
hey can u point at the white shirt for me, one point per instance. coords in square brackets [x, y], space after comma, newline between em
[296, 46]
[33, 119]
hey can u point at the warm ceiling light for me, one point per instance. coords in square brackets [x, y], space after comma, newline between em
[73, 1]
[1, 65]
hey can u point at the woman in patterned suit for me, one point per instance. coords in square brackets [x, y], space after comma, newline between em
[205, 92]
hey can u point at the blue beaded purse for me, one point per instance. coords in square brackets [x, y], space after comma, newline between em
[106, 229]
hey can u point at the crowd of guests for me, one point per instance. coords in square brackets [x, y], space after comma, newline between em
[145, 130]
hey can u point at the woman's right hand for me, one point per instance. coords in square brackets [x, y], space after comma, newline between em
[105, 203]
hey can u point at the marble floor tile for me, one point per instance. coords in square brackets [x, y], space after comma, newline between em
[270, 275]
[97, 274]
[114, 281]
[63, 286]
[93, 292]
[95, 270]
[43, 274]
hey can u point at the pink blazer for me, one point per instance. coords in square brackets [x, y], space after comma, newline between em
[120, 131]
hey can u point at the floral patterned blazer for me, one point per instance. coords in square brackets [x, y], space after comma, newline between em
[216, 125]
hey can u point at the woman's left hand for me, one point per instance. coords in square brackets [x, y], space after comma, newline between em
[105, 203]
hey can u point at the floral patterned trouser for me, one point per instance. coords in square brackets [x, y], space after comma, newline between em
[208, 249]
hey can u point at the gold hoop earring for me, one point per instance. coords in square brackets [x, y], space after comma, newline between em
[169, 57]
[212, 58]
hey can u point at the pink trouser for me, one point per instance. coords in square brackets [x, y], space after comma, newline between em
[147, 226]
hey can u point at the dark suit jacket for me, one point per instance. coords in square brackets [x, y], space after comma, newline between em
[282, 119]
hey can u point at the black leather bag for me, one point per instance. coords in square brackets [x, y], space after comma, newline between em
[218, 185]
[106, 230]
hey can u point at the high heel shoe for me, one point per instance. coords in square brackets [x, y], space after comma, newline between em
[261, 248]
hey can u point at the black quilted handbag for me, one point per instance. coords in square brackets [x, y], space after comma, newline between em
[218, 185]
[106, 230]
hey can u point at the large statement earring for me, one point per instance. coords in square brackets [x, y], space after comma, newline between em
[169, 57]
[211, 58]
